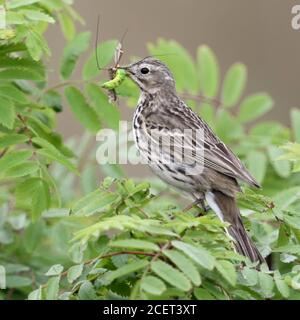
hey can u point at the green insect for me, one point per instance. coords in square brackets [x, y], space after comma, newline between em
[116, 75]
[120, 76]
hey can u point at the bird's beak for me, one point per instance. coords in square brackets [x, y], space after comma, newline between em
[127, 69]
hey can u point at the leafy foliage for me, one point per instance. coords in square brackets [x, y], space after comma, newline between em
[66, 235]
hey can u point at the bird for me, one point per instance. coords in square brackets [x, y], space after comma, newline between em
[161, 113]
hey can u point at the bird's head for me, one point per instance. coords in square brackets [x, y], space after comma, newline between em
[151, 75]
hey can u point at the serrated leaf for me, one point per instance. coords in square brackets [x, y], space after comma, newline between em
[14, 158]
[185, 265]
[208, 71]
[227, 270]
[250, 275]
[16, 281]
[107, 112]
[36, 15]
[11, 139]
[21, 170]
[295, 120]
[282, 286]
[257, 165]
[50, 151]
[198, 254]
[87, 291]
[82, 110]
[126, 269]
[72, 51]
[11, 92]
[94, 202]
[282, 167]
[105, 52]
[266, 284]
[36, 294]
[134, 244]
[202, 294]
[7, 113]
[234, 84]
[255, 106]
[34, 193]
[13, 73]
[74, 272]
[52, 288]
[171, 275]
[36, 45]
[20, 3]
[67, 25]
[153, 285]
[55, 270]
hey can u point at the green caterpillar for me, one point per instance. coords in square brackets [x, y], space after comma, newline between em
[116, 81]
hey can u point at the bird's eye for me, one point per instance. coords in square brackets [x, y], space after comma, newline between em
[145, 70]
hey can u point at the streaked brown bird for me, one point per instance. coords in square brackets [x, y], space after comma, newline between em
[161, 113]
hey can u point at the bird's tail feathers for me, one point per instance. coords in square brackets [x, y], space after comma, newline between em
[226, 209]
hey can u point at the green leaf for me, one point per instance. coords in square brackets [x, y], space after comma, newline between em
[202, 294]
[171, 275]
[281, 167]
[198, 254]
[105, 52]
[87, 291]
[74, 272]
[295, 120]
[234, 84]
[36, 294]
[14, 73]
[93, 202]
[283, 199]
[36, 15]
[179, 61]
[107, 112]
[12, 139]
[55, 270]
[14, 158]
[281, 285]
[126, 269]
[255, 106]
[257, 165]
[34, 193]
[52, 288]
[71, 53]
[7, 113]
[185, 265]
[36, 45]
[153, 285]
[49, 151]
[20, 3]
[208, 71]
[227, 270]
[295, 283]
[67, 25]
[11, 92]
[81, 109]
[266, 284]
[250, 275]
[16, 281]
[134, 244]
[21, 170]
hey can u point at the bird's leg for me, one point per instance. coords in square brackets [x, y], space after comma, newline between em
[197, 202]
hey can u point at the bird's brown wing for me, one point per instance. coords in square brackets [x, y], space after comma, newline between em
[217, 156]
